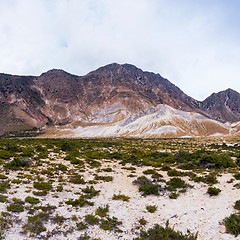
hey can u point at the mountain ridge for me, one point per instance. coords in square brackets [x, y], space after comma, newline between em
[106, 95]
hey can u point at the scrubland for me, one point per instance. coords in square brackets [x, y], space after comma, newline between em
[119, 188]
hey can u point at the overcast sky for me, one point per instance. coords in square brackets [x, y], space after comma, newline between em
[193, 43]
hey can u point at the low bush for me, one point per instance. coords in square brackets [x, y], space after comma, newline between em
[35, 223]
[232, 224]
[151, 208]
[149, 171]
[91, 219]
[212, 191]
[167, 233]
[42, 185]
[90, 192]
[80, 202]
[16, 164]
[77, 179]
[104, 178]
[110, 223]
[107, 169]
[15, 207]
[142, 221]
[102, 211]
[32, 200]
[3, 198]
[237, 176]
[120, 197]
[175, 173]
[141, 181]
[81, 226]
[173, 195]
[4, 186]
[175, 183]
[40, 193]
[149, 189]
[237, 205]
[58, 219]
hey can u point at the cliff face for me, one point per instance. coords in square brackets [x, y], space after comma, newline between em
[107, 95]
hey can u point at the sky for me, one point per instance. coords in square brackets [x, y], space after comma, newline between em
[194, 44]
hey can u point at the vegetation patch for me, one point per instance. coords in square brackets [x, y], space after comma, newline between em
[151, 208]
[121, 197]
[237, 205]
[212, 191]
[15, 207]
[232, 224]
[43, 185]
[90, 192]
[32, 200]
[158, 233]
[35, 224]
[110, 223]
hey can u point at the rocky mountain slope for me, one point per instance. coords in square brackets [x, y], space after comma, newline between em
[108, 95]
[223, 106]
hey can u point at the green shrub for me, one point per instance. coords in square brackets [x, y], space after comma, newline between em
[167, 233]
[175, 173]
[3, 198]
[35, 223]
[212, 191]
[175, 183]
[237, 176]
[32, 200]
[62, 167]
[4, 186]
[149, 171]
[237, 205]
[102, 211]
[90, 192]
[84, 237]
[59, 188]
[81, 226]
[107, 169]
[157, 176]
[151, 208]
[232, 224]
[17, 181]
[141, 181]
[173, 195]
[2, 176]
[103, 178]
[40, 193]
[77, 179]
[42, 185]
[142, 221]
[149, 189]
[121, 197]
[80, 202]
[91, 219]
[58, 219]
[76, 161]
[5, 154]
[110, 223]
[15, 207]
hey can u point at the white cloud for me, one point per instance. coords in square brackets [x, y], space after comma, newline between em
[189, 43]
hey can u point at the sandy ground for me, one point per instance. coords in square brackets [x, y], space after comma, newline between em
[194, 210]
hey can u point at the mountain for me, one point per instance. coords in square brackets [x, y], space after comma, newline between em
[111, 95]
[223, 106]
